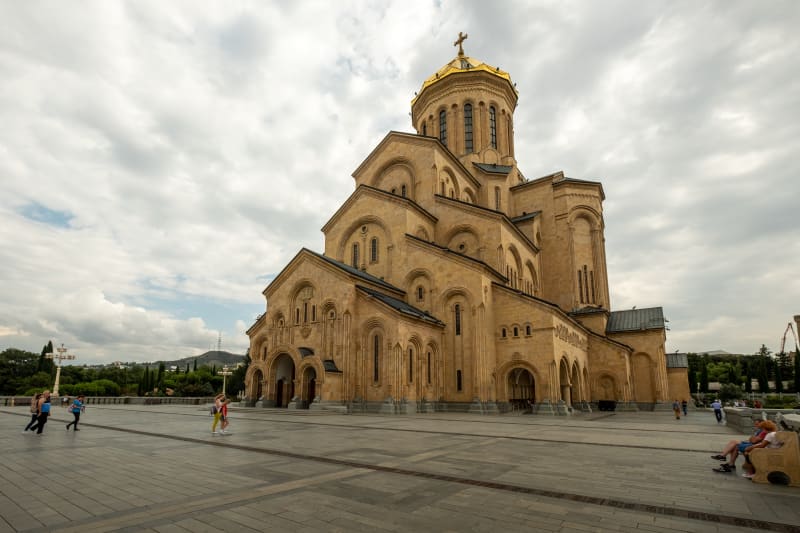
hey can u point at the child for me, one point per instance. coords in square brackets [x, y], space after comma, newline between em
[216, 411]
[224, 416]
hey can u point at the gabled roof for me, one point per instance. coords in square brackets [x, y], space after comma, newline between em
[557, 179]
[347, 269]
[526, 216]
[494, 168]
[356, 272]
[635, 320]
[362, 189]
[400, 306]
[448, 251]
[433, 141]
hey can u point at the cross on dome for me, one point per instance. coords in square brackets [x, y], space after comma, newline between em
[459, 41]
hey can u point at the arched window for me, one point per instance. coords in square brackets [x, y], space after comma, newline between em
[425, 128]
[403, 191]
[516, 331]
[355, 254]
[503, 333]
[420, 293]
[458, 380]
[458, 319]
[376, 352]
[527, 330]
[493, 127]
[429, 368]
[468, 128]
[411, 365]
[443, 127]
[373, 250]
[497, 198]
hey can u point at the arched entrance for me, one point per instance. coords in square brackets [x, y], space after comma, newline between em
[256, 386]
[309, 386]
[521, 389]
[283, 372]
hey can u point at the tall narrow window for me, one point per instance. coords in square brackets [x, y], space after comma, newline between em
[458, 319]
[591, 277]
[497, 198]
[297, 316]
[420, 293]
[403, 191]
[443, 127]
[580, 285]
[355, 254]
[305, 312]
[373, 250]
[585, 284]
[493, 127]
[458, 380]
[376, 351]
[313, 313]
[468, 128]
[425, 128]
[429, 368]
[411, 365]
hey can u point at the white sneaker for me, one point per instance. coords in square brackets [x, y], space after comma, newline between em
[214, 433]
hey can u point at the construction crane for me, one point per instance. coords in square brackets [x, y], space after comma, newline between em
[783, 339]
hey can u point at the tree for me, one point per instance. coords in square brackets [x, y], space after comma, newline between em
[729, 391]
[778, 378]
[761, 363]
[195, 364]
[704, 375]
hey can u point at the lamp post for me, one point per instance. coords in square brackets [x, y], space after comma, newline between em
[224, 373]
[62, 355]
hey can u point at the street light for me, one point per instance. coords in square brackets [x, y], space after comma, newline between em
[62, 355]
[224, 373]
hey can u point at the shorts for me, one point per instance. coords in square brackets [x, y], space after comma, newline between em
[744, 445]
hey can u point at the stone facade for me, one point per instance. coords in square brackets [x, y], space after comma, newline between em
[450, 281]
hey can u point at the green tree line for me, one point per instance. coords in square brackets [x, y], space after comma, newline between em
[737, 373]
[23, 373]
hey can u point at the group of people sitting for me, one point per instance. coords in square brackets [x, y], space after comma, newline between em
[764, 436]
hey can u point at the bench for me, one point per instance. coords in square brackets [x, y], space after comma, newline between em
[778, 463]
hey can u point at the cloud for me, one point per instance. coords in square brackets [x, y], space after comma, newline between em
[160, 163]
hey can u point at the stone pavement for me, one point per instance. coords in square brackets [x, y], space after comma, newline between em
[158, 468]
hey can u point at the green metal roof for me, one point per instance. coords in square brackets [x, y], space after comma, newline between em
[635, 320]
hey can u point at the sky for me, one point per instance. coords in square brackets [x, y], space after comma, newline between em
[161, 162]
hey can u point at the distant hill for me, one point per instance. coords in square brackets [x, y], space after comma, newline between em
[212, 358]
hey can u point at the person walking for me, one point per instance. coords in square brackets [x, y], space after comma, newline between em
[216, 410]
[676, 408]
[77, 409]
[685, 407]
[224, 416]
[717, 407]
[44, 412]
[34, 412]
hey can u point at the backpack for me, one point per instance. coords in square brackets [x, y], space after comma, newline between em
[214, 409]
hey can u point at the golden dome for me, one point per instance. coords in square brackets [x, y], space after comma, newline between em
[463, 63]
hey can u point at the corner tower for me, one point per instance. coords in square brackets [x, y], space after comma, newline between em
[469, 106]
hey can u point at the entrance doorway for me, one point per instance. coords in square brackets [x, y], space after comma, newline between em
[309, 386]
[521, 389]
[283, 374]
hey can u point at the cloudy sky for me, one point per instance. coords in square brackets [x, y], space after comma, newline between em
[161, 162]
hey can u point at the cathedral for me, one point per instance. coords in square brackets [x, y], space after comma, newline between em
[450, 281]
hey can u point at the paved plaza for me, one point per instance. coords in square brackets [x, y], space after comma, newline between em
[158, 468]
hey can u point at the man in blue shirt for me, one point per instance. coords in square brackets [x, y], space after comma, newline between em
[77, 407]
[717, 406]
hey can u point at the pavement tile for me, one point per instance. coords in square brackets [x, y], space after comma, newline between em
[166, 473]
